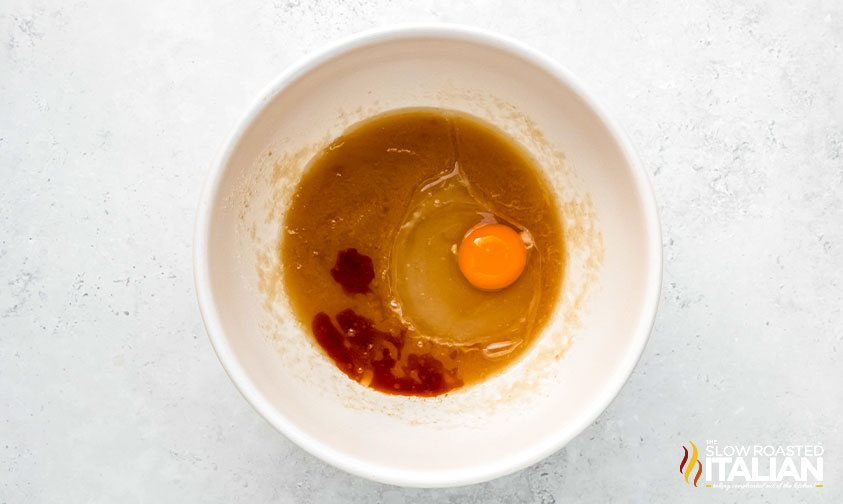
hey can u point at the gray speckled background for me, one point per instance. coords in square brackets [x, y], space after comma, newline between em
[111, 114]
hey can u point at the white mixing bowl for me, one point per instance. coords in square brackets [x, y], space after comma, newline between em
[580, 361]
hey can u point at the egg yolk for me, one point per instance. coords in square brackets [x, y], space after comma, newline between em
[492, 256]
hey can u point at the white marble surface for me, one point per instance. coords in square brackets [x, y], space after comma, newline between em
[110, 115]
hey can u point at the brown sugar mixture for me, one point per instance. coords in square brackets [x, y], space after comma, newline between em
[423, 251]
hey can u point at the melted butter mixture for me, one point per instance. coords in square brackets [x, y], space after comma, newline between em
[370, 251]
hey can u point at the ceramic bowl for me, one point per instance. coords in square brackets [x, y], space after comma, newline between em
[581, 359]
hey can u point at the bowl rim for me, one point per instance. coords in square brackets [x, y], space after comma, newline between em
[381, 473]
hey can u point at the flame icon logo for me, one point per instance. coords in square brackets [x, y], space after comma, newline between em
[689, 468]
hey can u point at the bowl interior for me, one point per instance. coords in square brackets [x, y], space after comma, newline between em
[580, 361]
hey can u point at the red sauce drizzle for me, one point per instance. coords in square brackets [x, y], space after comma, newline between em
[370, 356]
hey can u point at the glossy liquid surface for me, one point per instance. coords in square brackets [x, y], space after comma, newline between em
[370, 251]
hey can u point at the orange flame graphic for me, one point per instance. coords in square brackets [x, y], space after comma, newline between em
[690, 467]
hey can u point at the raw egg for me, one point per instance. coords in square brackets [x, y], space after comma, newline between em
[444, 287]
[492, 256]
